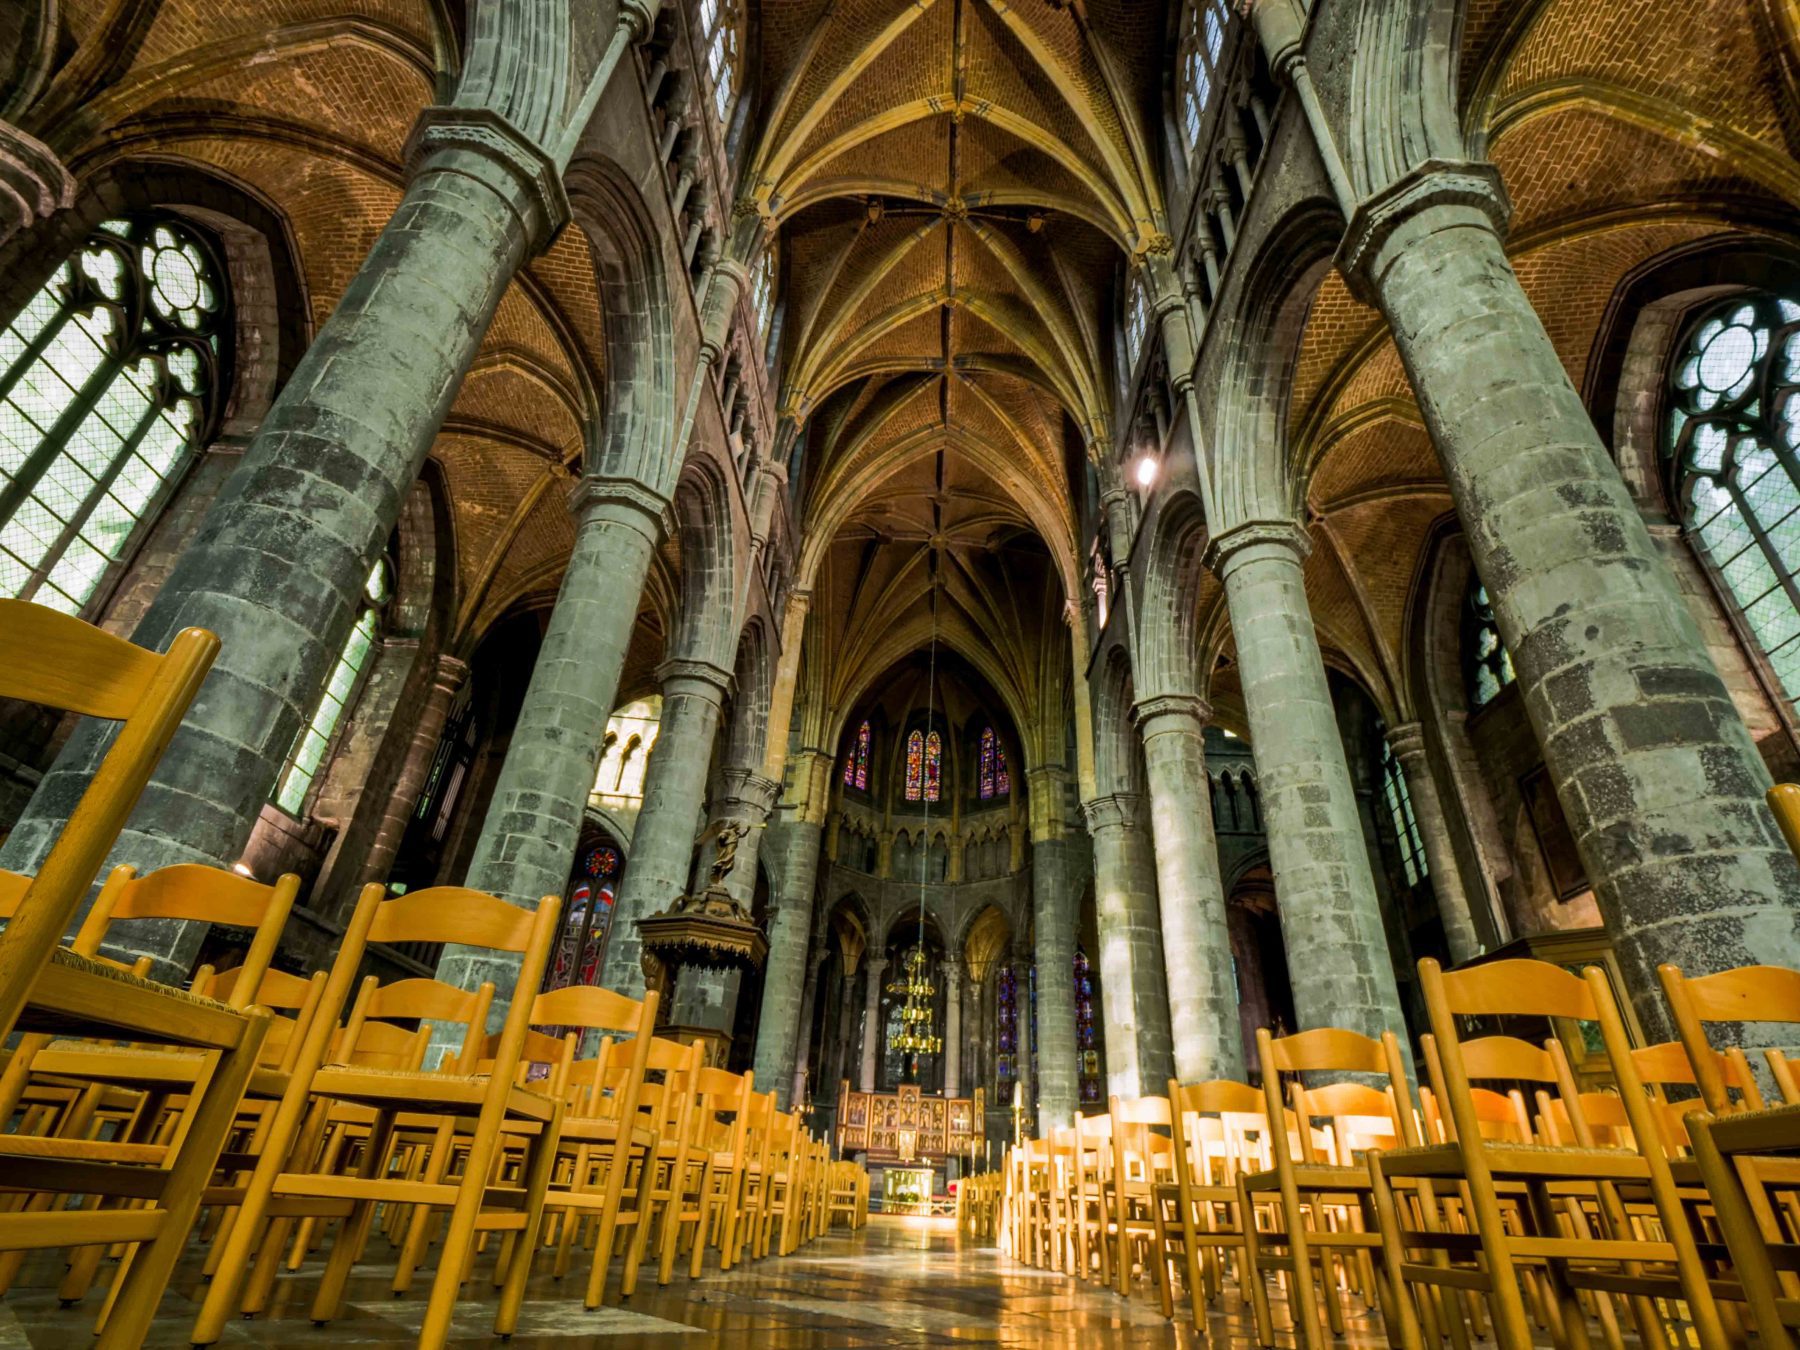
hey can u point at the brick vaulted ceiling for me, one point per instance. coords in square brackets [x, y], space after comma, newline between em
[956, 185]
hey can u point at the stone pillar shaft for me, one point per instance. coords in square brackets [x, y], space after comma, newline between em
[447, 682]
[794, 871]
[1055, 892]
[277, 568]
[1658, 776]
[1331, 922]
[871, 1048]
[1195, 936]
[1407, 741]
[803, 1046]
[1134, 991]
[662, 844]
[952, 1027]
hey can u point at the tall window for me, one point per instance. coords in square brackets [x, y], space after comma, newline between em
[310, 746]
[719, 39]
[991, 776]
[924, 766]
[762, 291]
[1487, 665]
[1400, 811]
[1202, 40]
[856, 763]
[1006, 1066]
[1137, 319]
[1087, 1050]
[108, 379]
[1734, 434]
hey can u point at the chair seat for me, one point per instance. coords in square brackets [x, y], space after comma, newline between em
[445, 1093]
[81, 996]
[142, 1066]
[1313, 1177]
[1506, 1159]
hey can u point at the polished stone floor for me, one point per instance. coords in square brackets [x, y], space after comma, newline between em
[899, 1282]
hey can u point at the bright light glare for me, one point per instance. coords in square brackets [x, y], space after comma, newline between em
[1146, 471]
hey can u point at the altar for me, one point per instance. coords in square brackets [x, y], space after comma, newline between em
[908, 1190]
[907, 1126]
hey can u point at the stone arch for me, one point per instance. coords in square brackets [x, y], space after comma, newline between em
[633, 434]
[1168, 645]
[704, 626]
[1401, 95]
[1118, 758]
[747, 740]
[1255, 480]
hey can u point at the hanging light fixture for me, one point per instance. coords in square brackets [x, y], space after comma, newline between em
[913, 986]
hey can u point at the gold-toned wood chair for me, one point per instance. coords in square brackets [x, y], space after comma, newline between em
[63, 663]
[1323, 1194]
[1142, 1160]
[1219, 1130]
[1750, 1163]
[1511, 1186]
[486, 1105]
[1747, 994]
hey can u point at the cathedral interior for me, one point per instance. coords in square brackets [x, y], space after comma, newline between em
[838, 635]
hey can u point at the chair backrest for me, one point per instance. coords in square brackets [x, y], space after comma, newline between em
[1746, 994]
[201, 894]
[721, 1092]
[1524, 988]
[60, 662]
[1500, 1112]
[276, 989]
[1220, 1128]
[1356, 1109]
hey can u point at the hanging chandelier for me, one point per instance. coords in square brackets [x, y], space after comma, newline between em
[915, 989]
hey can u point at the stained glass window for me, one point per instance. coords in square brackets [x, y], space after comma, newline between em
[1137, 319]
[587, 918]
[1202, 41]
[719, 21]
[108, 378]
[856, 763]
[308, 755]
[934, 766]
[991, 777]
[1007, 1017]
[915, 766]
[1734, 433]
[1400, 810]
[1487, 665]
[1087, 1050]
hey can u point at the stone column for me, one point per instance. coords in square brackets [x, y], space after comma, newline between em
[1331, 921]
[1134, 994]
[1195, 936]
[803, 1051]
[278, 565]
[526, 849]
[952, 969]
[446, 681]
[871, 1048]
[1661, 782]
[662, 844]
[796, 841]
[1057, 875]
[1407, 741]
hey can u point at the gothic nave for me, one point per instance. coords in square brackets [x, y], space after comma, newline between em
[881, 671]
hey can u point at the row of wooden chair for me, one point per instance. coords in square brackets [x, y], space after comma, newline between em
[1507, 1196]
[266, 1111]
[978, 1205]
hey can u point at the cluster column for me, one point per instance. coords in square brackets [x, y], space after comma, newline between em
[1057, 873]
[795, 842]
[1407, 741]
[1134, 992]
[952, 969]
[278, 566]
[1330, 918]
[662, 845]
[1660, 780]
[1195, 935]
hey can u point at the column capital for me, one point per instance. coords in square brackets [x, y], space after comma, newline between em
[1407, 741]
[699, 677]
[484, 133]
[622, 500]
[1171, 710]
[1226, 549]
[450, 672]
[750, 789]
[1115, 811]
[34, 184]
[1436, 182]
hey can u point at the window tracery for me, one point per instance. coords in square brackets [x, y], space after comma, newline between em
[991, 774]
[1202, 42]
[1734, 437]
[1137, 319]
[1398, 799]
[1487, 665]
[856, 763]
[109, 377]
[720, 21]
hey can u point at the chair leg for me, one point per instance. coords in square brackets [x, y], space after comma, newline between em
[537, 1172]
[216, 1110]
[329, 1301]
[459, 1233]
[1252, 1273]
[1398, 1312]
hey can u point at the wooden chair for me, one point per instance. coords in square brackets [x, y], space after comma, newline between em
[486, 1104]
[1091, 1226]
[1323, 1196]
[1747, 994]
[63, 663]
[721, 1133]
[1750, 1163]
[1511, 1187]
[1219, 1130]
[1142, 1160]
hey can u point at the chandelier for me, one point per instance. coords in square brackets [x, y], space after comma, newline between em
[914, 987]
